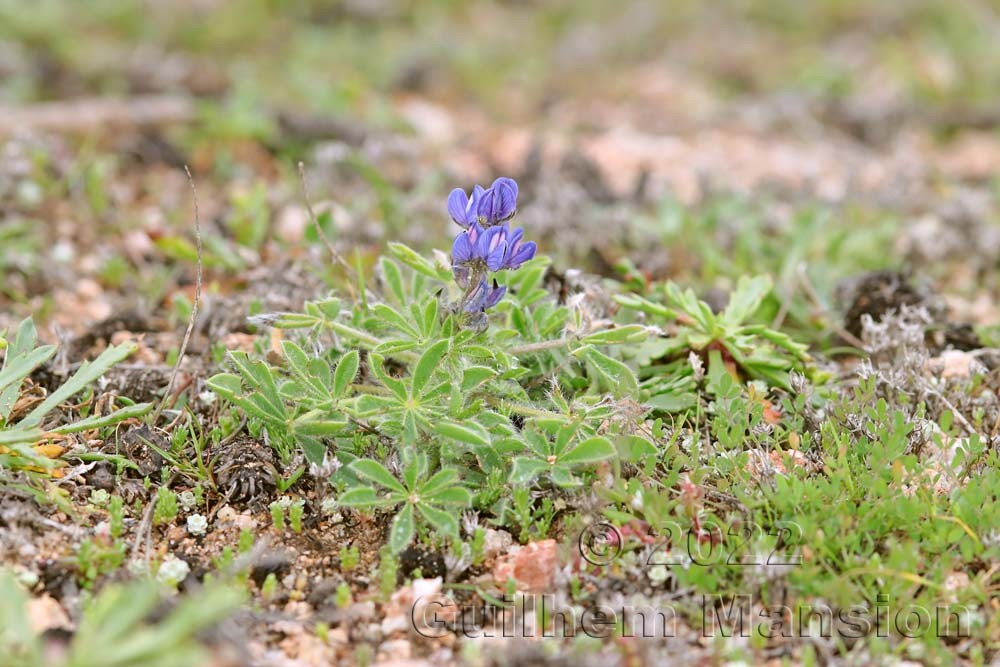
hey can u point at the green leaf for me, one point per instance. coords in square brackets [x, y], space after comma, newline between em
[87, 373]
[638, 303]
[634, 448]
[474, 376]
[442, 521]
[563, 476]
[632, 333]
[746, 299]
[24, 342]
[12, 436]
[525, 469]
[393, 278]
[376, 472]
[295, 321]
[430, 317]
[412, 471]
[100, 421]
[590, 450]
[312, 423]
[17, 636]
[464, 434]
[226, 385]
[397, 387]
[616, 375]
[425, 367]
[312, 448]
[16, 369]
[347, 370]
[393, 318]
[441, 480]
[417, 262]
[394, 347]
[362, 497]
[298, 363]
[672, 402]
[453, 495]
[401, 532]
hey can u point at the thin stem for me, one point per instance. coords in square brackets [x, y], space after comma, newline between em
[351, 332]
[523, 410]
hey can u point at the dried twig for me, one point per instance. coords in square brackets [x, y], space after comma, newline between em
[814, 296]
[337, 257]
[194, 308]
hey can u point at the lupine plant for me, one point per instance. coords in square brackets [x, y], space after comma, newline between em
[443, 373]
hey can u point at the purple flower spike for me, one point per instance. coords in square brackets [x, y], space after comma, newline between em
[462, 208]
[498, 202]
[486, 245]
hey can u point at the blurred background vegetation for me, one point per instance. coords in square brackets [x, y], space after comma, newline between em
[510, 57]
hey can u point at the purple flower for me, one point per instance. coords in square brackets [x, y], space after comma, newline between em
[491, 247]
[517, 251]
[498, 202]
[463, 250]
[462, 208]
[484, 297]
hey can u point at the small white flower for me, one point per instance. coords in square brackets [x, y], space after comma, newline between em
[138, 567]
[637, 500]
[697, 366]
[27, 578]
[102, 529]
[284, 502]
[658, 574]
[99, 497]
[187, 499]
[197, 524]
[207, 397]
[30, 193]
[329, 506]
[172, 571]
